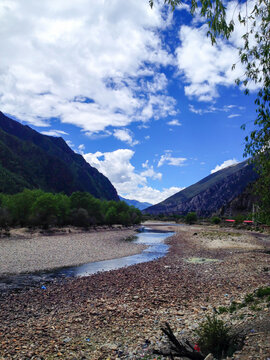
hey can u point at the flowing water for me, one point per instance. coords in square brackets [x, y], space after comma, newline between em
[156, 248]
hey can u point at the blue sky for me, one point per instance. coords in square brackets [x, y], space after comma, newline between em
[141, 93]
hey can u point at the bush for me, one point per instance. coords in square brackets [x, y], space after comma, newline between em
[215, 337]
[261, 292]
[215, 220]
[191, 218]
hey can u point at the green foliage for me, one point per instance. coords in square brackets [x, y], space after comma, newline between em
[249, 298]
[215, 337]
[222, 309]
[79, 217]
[263, 291]
[239, 219]
[38, 208]
[212, 11]
[215, 220]
[191, 218]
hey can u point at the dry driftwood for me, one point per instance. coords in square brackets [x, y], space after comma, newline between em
[178, 348]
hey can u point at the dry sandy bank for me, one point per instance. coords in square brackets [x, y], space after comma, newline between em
[48, 252]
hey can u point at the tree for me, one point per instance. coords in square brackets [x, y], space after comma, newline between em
[255, 56]
[191, 218]
[45, 211]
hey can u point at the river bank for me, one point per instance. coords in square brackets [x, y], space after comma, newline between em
[34, 253]
[118, 314]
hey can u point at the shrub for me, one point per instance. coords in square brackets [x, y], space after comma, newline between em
[249, 298]
[261, 292]
[191, 218]
[215, 337]
[215, 220]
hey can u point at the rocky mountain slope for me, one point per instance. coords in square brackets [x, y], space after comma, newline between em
[31, 160]
[211, 194]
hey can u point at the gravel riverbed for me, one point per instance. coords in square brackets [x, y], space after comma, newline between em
[29, 254]
[118, 314]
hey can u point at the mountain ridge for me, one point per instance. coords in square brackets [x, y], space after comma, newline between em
[209, 194]
[29, 159]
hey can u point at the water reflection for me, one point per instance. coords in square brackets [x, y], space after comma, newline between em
[156, 249]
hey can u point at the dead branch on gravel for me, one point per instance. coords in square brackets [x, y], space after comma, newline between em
[178, 348]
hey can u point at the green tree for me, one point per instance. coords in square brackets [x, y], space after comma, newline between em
[45, 211]
[20, 205]
[79, 217]
[191, 218]
[255, 56]
[111, 216]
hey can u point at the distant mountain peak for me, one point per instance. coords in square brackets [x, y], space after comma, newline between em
[138, 204]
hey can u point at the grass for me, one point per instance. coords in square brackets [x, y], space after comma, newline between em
[263, 291]
[250, 299]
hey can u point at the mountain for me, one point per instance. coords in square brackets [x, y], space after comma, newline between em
[31, 160]
[139, 205]
[209, 195]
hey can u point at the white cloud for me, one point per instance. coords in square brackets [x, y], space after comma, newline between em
[150, 172]
[54, 132]
[213, 109]
[70, 144]
[224, 165]
[233, 116]
[205, 67]
[117, 167]
[174, 161]
[125, 135]
[174, 122]
[82, 62]
[81, 148]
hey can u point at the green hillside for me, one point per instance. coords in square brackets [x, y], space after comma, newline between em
[31, 160]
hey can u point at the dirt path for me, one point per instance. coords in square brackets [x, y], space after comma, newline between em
[118, 314]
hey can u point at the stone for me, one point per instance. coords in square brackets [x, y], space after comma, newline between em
[209, 357]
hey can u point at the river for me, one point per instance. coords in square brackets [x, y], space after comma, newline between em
[156, 248]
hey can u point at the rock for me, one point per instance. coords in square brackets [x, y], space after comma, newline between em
[209, 357]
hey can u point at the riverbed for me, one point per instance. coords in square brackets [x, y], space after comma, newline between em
[150, 242]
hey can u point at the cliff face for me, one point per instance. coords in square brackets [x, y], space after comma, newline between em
[31, 160]
[210, 194]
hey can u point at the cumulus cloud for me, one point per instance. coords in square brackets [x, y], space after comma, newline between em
[174, 122]
[125, 135]
[170, 160]
[130, 184]
[150, 172]
[224, 165]
[82, 62]
[205, 67]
